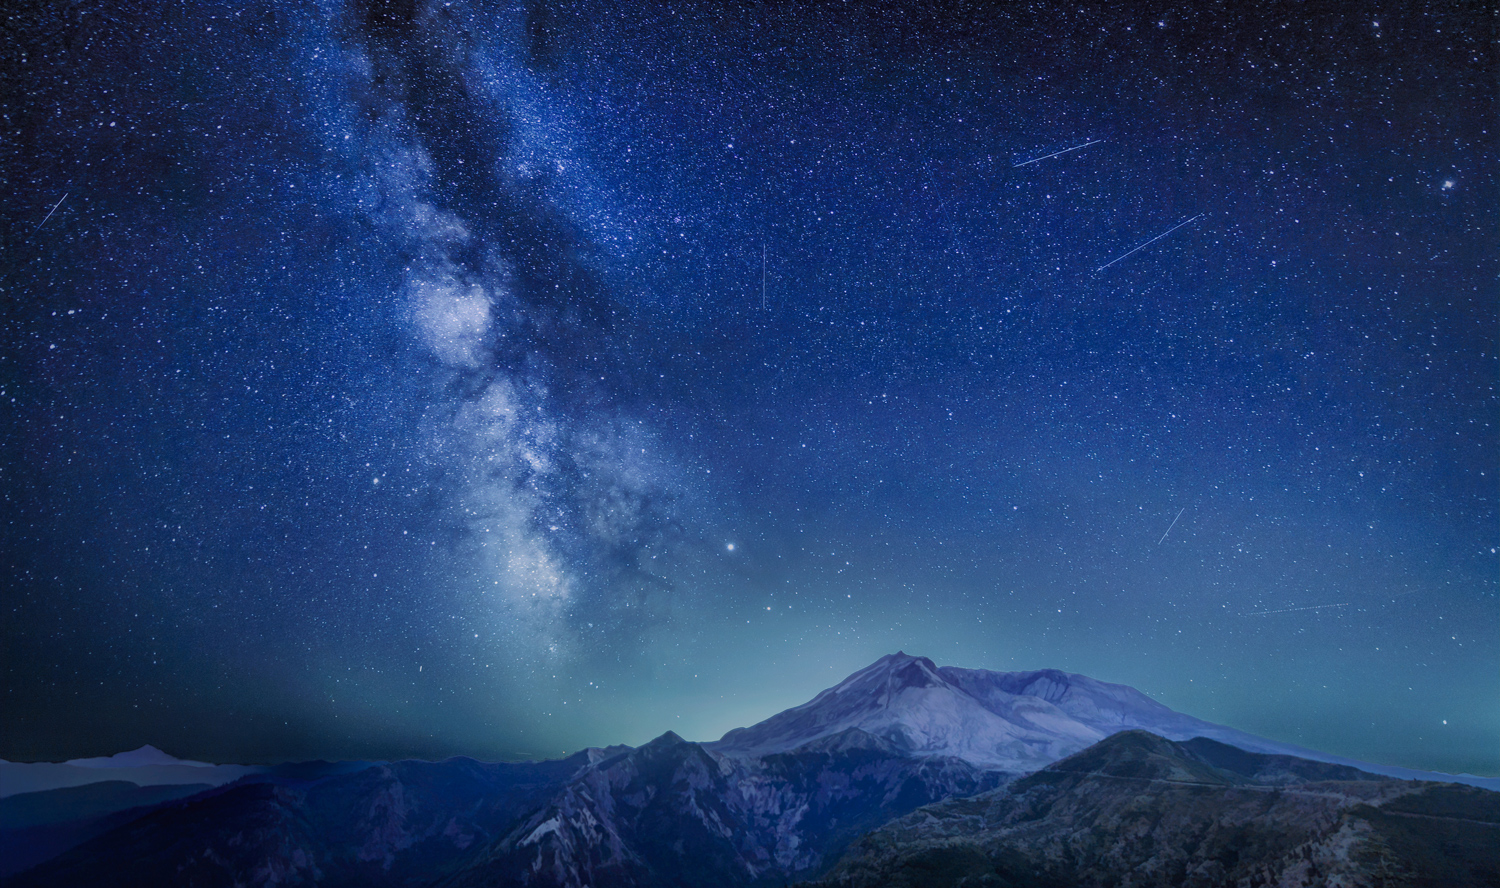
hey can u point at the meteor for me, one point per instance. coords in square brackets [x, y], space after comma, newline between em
[1056, 153]
[1290, 610]
[1172, 525]
[51, 211]
[1149, 242]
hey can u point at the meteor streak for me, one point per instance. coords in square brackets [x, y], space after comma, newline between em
[1056, 153]
[1149, 242]
[1290, 610]
[1172, 525]
[51, 211]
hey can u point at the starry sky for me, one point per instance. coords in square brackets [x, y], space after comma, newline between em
[421, 378]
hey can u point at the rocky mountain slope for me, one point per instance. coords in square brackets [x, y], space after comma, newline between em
[674, 813]
[38, 826]
[1140, 810]
[668, 813]
[392, 824]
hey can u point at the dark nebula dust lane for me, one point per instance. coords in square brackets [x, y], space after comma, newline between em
[418, 378]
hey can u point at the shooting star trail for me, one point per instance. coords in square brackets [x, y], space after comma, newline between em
[1292, 610]
[1149, 242]
[1056, 153]
[1172, 525]
[51, 211]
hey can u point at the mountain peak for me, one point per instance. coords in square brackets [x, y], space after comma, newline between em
[900, 670]
[1138, 755]
[901, 657]
[1142, 755]
[1012, 721]
[145, 756]
[669, 739]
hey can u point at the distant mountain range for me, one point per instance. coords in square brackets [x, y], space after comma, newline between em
[147, 766]
[782, 800]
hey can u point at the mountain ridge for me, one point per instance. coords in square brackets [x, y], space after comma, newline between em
[1138, 809]
[783, 799]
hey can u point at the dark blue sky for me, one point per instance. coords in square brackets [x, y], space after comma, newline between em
[388, 379]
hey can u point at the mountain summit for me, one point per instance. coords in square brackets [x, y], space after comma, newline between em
[146, 756]
[1010, 721]
[1013, 721]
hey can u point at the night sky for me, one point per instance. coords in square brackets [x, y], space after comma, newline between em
[393, 379]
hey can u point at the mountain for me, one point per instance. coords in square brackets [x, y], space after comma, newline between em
[393, 824]
[38, 826]
[147, 766]
[146, 756]
[674, 813]
[1140, 810]
[911, 704]
[1117, 783]
[1011, 721]
[669, 813]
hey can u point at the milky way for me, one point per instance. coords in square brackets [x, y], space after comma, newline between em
[428, 378]
[556, 487]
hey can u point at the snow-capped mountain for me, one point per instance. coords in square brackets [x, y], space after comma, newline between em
[146, 756]
[1010, 721]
